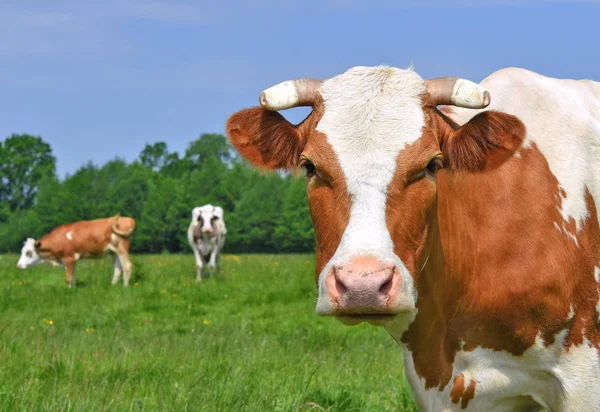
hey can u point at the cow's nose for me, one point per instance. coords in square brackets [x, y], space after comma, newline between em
[364, 286]
[19, 266]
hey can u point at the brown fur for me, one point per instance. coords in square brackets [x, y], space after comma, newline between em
[490, 267]
[90, 239]
[266, 138]
[499, 271]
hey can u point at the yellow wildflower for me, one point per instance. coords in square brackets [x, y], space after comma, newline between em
[206, 322]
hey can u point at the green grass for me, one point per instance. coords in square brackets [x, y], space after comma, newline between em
[248, 340]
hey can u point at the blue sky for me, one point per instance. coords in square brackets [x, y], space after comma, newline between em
[100, 79]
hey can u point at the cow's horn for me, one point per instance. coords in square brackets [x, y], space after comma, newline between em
[458, 92]
[291, 93]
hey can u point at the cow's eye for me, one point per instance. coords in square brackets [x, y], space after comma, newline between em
[434, 165]
[28, 254]
[309, 167]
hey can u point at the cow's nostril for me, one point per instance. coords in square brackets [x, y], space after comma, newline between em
[339, 285]
[387, 285]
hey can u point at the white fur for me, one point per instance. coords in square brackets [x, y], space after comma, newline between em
[207, 250]
[33, 258]
[69, 235]
[543, 376]
[371, 114]
[562, 118]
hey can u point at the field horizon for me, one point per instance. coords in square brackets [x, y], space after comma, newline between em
[245, 340]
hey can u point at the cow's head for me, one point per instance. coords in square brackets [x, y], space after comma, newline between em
[218, 212]
[371, 149]
[205, 216]
[29, 254]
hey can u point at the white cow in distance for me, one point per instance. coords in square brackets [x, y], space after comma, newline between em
[206, 235]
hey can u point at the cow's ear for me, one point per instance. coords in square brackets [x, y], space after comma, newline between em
[265, 138]
[485, 142]
[37, 245]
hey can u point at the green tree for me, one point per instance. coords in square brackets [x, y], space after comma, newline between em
[156, 230]
[264, 212]
[252, 224]
[157, 157]
[208, 145]
[294, 229]
[24, 161]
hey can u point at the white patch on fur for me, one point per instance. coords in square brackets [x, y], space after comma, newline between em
[69, 235]
[565, 232]
[371, 114]
[562, 118]
[29, 256]
[549, 376]
[77, 256]
[207, 212]
[571, 314]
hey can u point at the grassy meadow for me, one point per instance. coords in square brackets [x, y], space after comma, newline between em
[247, 340]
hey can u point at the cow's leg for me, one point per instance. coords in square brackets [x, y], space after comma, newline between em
[127, 266]
[199, 264]
[118, 270]
[196, 253]
[70, 271]
[213, 259]
[203, 267]
[121, 249]
[219, 261]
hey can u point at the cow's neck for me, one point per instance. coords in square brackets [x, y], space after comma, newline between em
[435, 296]
[499, 274]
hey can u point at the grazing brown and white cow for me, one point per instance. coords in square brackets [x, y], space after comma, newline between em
[68, 243]
[206, 236]
[471, 235]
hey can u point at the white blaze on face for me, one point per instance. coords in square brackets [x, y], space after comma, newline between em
[371, 114]
[206, 212]
[29, 256]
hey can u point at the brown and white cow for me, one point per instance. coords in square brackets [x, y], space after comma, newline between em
[68, 243]
[471, 235]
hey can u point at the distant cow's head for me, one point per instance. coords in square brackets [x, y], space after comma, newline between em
[371, 149]
[29, 254]
[205, 216]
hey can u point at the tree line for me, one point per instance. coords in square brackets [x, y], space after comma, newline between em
[264, 212]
